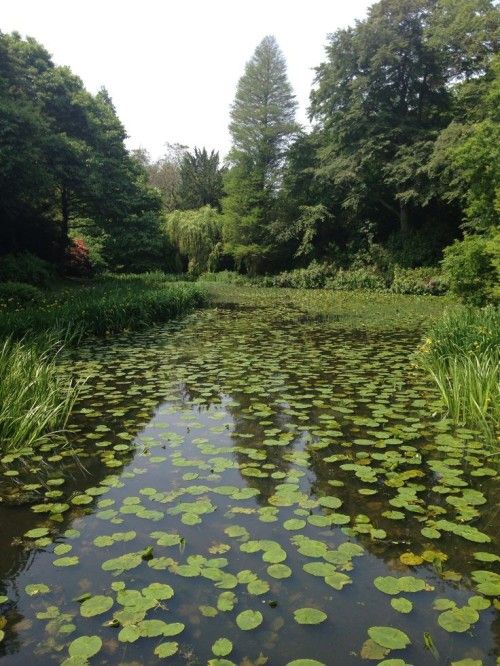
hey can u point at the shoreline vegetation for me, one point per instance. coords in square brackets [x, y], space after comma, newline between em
[460, 351]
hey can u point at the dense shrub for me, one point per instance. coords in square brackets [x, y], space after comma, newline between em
[77, 259]
[358, 278]
[25, 267]
[418, 281]
[312, 277]
[16, 294]
[471, 269]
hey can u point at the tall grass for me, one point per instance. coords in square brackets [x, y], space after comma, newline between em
[35, 400]
[462, 355]
[111, 305]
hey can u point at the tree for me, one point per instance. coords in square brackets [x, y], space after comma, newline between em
[196, 234]
[64, 162]
[380, 98]
[201, 180]
[262, 127]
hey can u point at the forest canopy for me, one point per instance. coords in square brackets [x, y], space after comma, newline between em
[402, 158]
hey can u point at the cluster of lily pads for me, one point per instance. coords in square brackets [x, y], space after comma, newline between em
[250, 469]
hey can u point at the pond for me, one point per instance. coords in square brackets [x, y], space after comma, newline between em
[252, 485]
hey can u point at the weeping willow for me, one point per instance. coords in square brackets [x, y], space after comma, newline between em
[197, 236]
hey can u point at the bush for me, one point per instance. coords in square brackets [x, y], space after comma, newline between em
[418, 281]
[312, 277]
[470, 269]
[358, 278]
[26, 267]
[17, 294]
[77, 259]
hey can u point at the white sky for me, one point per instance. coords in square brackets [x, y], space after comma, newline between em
[171, 66]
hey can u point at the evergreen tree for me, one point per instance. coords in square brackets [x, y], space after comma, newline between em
[201, 180]
[262, 127]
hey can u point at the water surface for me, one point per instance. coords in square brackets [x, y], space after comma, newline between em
[252, 459]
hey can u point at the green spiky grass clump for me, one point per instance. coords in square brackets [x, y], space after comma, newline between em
[35, 398]
[462, 355]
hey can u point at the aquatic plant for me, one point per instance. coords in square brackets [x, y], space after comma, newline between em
[35, 399]
[461, 353]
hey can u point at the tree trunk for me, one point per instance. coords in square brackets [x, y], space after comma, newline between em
[64, 237]
[404, 219]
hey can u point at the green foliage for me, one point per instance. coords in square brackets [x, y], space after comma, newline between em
[63, 156]
[418, 281]
[15, 294]
[358, 278]
[471, 268]
[462, 356]
[35, 400]
[109, 305]
[201, 180]
[262, 126]
[314, 276]
[196, 235]
[25, 267]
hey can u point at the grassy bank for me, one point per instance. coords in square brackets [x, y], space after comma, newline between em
[35, 400]
[110, 305]
[461, 354]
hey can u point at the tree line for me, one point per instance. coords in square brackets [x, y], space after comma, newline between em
[401, 159]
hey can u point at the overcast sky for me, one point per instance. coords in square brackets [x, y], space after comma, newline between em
[171, 66]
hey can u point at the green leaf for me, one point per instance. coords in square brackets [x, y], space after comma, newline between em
[388, 637]
[249, 619]
[165, 650]
[309, 616]
[222, 647]
[402, 605]
[96, 606]
[36, 588]
[85, 647]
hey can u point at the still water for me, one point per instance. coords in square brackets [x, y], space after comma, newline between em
[252, 486]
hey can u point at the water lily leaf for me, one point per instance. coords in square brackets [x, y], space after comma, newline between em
[37, 532]
[36, 588]
[66, 561]
[309, 616]
[222, 647]
[226, 601]
[389, 637]
[257, 587]
[96, 605]
[167, 649]
[249, 619]
[387, 584]
[305, 662]
[158, 591]
[208, 611]
[411, 559]
[338, 580]
[402, 605]
[279, 571]
[458, 619]
[294, 524]
[487, 582]
[85, 647]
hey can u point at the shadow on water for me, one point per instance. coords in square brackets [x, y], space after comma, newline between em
[252, 459]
